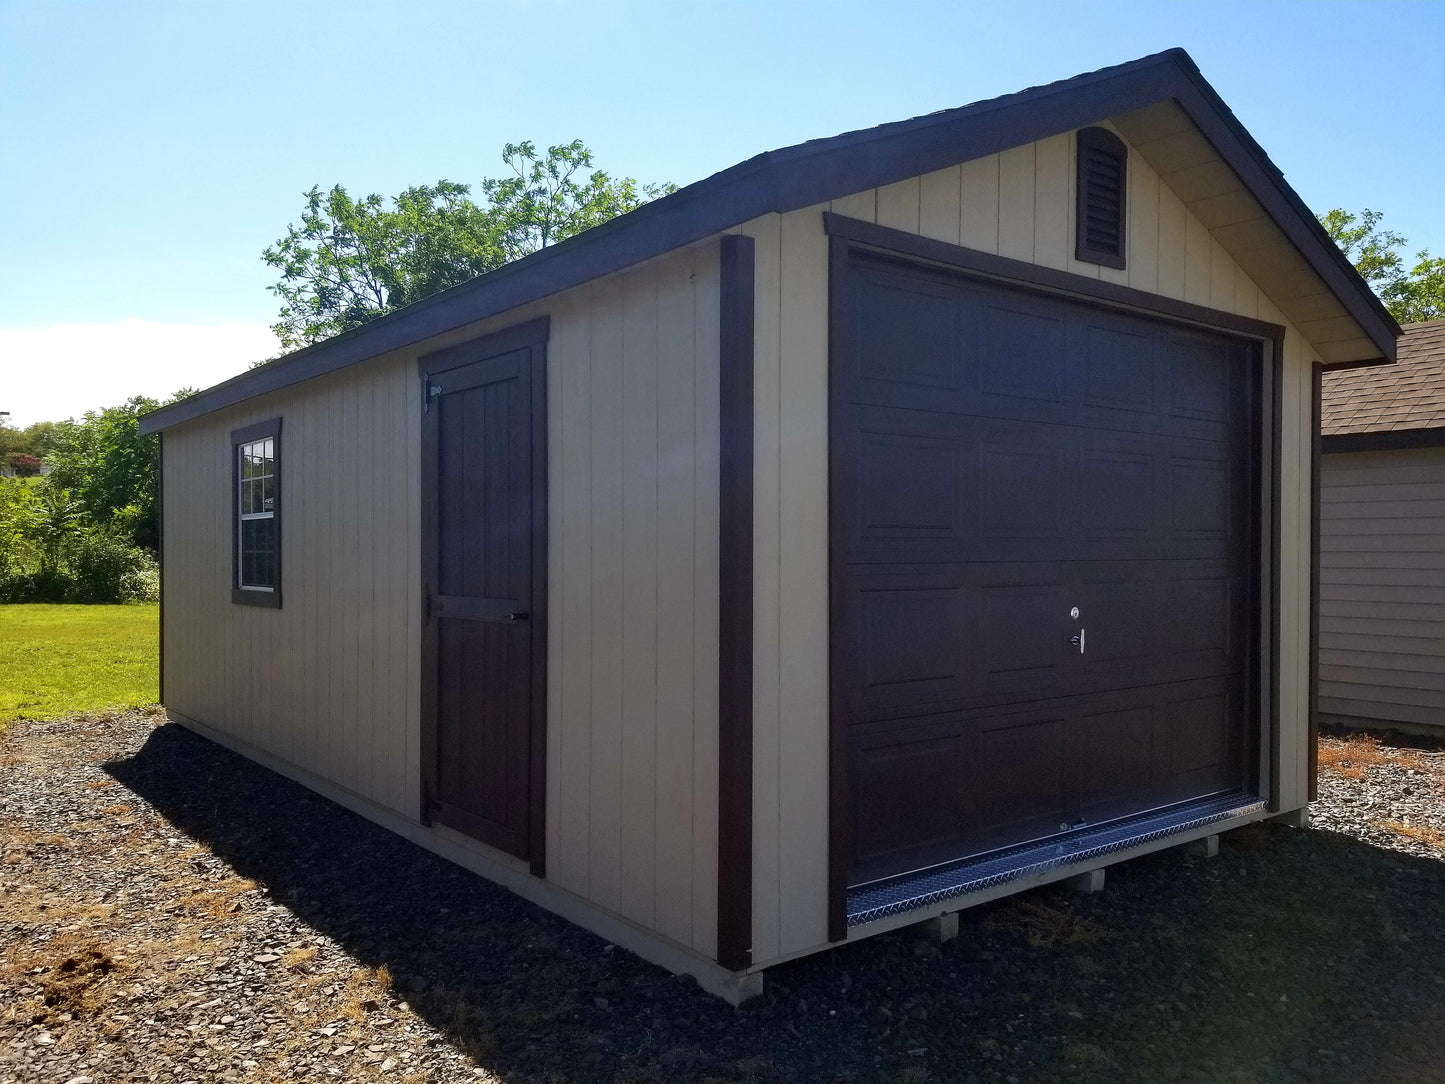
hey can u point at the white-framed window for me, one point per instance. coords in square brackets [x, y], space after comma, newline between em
[256, 452]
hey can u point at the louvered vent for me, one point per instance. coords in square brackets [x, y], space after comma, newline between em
[1101, 176]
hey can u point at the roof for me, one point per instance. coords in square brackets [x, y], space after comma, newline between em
[1283, 241]
[1405, 397]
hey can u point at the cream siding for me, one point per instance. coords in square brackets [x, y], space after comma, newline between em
[1382, 586]
[1019, 203]
[330, 683]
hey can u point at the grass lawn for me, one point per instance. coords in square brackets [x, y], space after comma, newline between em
[58, 660]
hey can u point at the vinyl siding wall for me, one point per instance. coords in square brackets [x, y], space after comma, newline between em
[1382, 586]
[329, 683]
[1019, 204]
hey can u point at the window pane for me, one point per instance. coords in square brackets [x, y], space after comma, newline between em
[258, 553]
[268, 494]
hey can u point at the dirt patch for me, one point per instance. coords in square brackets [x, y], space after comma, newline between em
[171, 912]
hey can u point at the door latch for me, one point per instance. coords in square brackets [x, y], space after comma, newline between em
[1078, 640]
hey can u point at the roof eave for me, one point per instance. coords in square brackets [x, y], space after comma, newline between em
[813, 173]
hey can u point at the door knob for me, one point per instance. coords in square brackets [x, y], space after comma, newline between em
[1078, 640]
[517, 615]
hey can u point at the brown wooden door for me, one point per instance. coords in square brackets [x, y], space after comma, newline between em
[1005, 458]
[483, 467]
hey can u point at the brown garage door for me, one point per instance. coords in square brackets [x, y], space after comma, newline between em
[1009, 460]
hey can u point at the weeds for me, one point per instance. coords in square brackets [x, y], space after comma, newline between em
[1420, 832]
[1045, 925]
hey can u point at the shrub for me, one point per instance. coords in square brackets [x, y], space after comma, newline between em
[47, 585]
[106, 569]
[25, 465]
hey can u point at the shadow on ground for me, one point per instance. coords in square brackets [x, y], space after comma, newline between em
[1293, 956]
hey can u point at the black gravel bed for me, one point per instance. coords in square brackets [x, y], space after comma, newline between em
[1294, 955]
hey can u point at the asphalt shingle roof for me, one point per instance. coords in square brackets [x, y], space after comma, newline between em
[1407, 395]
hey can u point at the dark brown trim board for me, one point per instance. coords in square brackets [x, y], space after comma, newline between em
[269, 599]
[816, 172]
[1392, 440]
[1316, 405]
[896, 242]
[161, 559]
[840, 498]
[848, 235]
[1273, 373]
[735, 606]
[531, 335]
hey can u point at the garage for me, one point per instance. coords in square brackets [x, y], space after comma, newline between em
[1042, 571]
[884, 525]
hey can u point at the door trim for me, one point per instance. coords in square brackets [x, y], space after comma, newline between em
[849, 235]
[531, 335]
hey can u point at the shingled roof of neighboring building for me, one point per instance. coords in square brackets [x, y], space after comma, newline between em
[1408, 395]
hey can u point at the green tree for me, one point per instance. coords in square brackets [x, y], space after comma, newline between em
[351, 260]
[1411, 292]
[549, 199]
[111, 470]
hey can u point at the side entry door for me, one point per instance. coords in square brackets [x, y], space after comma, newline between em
[484, 571]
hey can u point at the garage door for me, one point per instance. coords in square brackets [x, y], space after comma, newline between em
[1041, 573]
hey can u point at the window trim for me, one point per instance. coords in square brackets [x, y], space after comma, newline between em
[254, 596]
[1107, 141]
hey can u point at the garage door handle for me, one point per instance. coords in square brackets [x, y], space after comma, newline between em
[1078, 640]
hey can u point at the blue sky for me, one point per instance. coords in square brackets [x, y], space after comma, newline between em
[150, 151]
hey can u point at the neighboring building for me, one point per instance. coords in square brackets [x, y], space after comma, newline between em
[877, 527]
[1382, 540]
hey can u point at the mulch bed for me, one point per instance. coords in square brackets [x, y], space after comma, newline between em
[172, 912]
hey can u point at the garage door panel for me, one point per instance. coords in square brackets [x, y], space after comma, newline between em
[1118, 370]
[909, 486]
[953, 488]
[907, 337]
[1118, 493]
[936, 787]
[1023, 489]
[1014, 353]
[1127, 735]
[910, 807]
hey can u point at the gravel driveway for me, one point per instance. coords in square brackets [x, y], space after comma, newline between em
[171, 912]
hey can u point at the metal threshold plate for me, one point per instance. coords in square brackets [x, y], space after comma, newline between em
[895, 895]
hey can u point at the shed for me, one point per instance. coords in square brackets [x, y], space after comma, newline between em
[1382, 540]
[882, 525]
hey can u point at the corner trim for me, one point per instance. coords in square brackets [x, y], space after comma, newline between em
[1387, 441]
[1316, 441]
[269, 600]
[735, 603]
[161, 564]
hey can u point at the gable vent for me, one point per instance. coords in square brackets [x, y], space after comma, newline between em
[1102, 158]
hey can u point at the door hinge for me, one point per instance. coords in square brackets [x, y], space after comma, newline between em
[429, 391]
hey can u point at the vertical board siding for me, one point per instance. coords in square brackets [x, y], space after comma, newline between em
[316, 681]
[1019, 203]
[330, 682]
[1382, 586]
